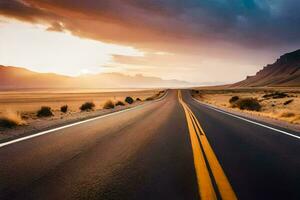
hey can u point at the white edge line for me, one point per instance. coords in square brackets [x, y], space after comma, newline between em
[77, 123]
[247, 120]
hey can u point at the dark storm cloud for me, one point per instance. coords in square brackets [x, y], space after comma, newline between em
[248, 23]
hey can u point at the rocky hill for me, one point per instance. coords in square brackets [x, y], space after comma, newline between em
[285, 72]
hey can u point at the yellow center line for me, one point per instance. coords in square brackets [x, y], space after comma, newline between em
[205, 186]
[221, 180]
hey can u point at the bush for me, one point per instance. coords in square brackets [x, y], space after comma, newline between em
[129, 100]
[287, 114]
[276, 95]
[64, 108]
[288, 102]
[120, 103]
[7, 123]
[45, 111]
[10, 120]
[149, 99]
[248, 104]
[108, 105]
[87, 106]
[233, 99]
[138, 99]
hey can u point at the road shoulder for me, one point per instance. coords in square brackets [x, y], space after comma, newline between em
[48, 124]
[258, 118]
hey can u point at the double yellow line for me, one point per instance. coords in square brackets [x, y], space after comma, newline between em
[207, 166]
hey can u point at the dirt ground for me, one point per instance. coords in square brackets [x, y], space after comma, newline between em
[22, 106]
[31, 101]
[285, 109]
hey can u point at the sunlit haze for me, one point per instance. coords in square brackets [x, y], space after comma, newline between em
[33, 47]
[198, 41]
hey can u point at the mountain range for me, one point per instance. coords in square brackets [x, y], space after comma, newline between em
[285, 72]
[19, 78]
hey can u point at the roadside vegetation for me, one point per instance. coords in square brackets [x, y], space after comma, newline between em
[129, 100]
[64, 109]
[45, 111]
[87, 106]
[288, 102]
[10, 120]
[276, 95]
[155, 96]
[120, 103]
[233, 99]
[246, 103]
[108, 105]
[149, 99]
[276, 103]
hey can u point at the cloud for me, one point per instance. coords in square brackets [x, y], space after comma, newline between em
[56, 26]
[196, 35]
[143, 23]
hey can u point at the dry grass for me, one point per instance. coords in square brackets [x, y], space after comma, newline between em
[120, 103]
[25, 104]
[285, 108]
[109, 105]
[246, 104]
[45, 111]
[64, 109]
[87, 106]
[10, 119]
[31, 101]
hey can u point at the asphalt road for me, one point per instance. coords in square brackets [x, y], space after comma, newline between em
[169, 149]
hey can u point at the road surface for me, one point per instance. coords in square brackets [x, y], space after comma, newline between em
[175, 148]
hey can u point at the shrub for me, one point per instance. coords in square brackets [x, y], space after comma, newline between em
[120, 103]
[161, 92]
[138, 99]
[149, 99]
[233, 99]
[87, 106]
[287, 114]
[129, 100]
[288, 102]
[64, 108]
[10, 120]
[7, 122]
[108, 105]
[45, 111]
[248, 104]
[276, 95]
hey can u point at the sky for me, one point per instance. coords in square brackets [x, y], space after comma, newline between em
[203, 41]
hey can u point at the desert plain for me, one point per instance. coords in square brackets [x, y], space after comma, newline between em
[22, 106]
[278, 105]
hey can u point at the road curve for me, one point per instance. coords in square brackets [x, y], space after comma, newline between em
[175, 148]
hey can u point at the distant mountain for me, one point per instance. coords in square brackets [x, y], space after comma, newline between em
[17, 78]
[285, 72]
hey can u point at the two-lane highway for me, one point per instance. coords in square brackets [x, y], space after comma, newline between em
[175, 148]
[260, 163]
[140, 154]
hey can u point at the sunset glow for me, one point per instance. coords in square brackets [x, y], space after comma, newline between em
[196, 41]
[33, 47]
